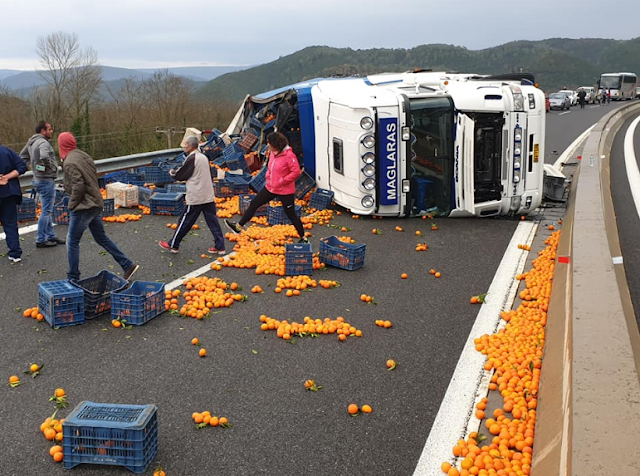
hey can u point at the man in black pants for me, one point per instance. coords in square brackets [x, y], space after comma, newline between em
[581, 96]
[200, 199]
[282, 171]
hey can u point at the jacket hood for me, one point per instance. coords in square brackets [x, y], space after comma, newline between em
[34, 138]
[66, 143]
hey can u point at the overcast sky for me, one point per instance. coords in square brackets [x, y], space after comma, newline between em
[169, 33]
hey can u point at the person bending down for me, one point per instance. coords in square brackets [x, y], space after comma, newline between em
[282, 172]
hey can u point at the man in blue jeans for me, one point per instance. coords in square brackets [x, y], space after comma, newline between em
[11, 166]
[85, 207]
[44, 166]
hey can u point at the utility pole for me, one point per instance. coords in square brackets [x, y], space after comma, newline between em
[169, 133]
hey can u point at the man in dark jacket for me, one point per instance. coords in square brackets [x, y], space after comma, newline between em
[44, 166]
[582, 94]
[85, 207]
[11, 166]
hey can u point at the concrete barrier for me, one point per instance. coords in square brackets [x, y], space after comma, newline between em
[589, 399]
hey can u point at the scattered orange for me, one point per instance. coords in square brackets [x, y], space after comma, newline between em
[352, 409]
[366, 409]
[203, 352]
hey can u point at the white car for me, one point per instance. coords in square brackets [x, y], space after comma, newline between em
[590, 98]
[573, 98]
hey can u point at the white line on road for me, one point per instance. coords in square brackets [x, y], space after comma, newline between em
[21, 231]
[193, 274]
[563, 113]
[456, 410]
[631, 164]
[571, 149]
[592, 107]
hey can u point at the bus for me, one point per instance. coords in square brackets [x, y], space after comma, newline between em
[414, 143]
[619, 85]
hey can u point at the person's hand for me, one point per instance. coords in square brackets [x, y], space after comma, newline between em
[172, 172]
[3, 180]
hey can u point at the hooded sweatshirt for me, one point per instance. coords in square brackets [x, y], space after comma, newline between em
[80, 176]
[282, 172]
[42, 157]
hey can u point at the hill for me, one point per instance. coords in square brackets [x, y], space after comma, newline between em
[556, 62]
[198, 73]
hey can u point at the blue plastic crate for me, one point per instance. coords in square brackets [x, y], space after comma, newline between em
[277, 216]
[113, 434]
[138, 304]
[132, 178]
[108, 207]
[340, 254]
[298, 259]
[237, 162]
[61, 212]
[304, 184]
[156, 174]
[258, 181]
[223, 188]
[321, 199]
[61, 303]
[167, 204]
[97, 292]
[27, 209]
[177, 188]
[114, 176]
[245, 201]
[232, 150]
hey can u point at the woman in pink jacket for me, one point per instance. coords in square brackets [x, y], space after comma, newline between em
[282, 172]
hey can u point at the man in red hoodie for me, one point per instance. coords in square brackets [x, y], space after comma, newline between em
[85, 207]
[282, 172]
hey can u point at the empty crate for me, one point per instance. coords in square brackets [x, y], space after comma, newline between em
[321, 199]
[298, 259]
[139, 303]
[97, 292]
[340, 254]
[114, 434]
[61, 303]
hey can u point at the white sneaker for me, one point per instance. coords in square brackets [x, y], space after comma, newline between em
[14, 260]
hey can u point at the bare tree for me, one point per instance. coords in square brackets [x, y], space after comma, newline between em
[129, 100]
[15, 121]
[168, 96]
[73, 75]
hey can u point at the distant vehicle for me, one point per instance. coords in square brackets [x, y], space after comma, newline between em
[573, 97]
[547, 104]
[559, 101]
[638, 92]
[591, 96]
[620, 85]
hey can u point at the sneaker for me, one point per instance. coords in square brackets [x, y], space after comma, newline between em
[166, 246]
[15, 260]
[59, 241]
[45, 244]
[304, 239]
[234, 227]
[215, 251]
[131, 271]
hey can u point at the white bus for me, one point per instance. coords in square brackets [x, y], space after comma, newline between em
[619, 85]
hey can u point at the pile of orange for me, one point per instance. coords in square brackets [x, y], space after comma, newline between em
[327, 283]
[317, 217]
[422, 247]
[205, 418]
[286, 330]
[34, 313]
[52, 429]
[386, 324]
[296, 283]
[174, 226]
[145, 210]
[515, 354]
[203, 294]
[122, 218]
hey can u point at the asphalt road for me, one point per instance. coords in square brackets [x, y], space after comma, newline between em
[626, 214]
[251, 376]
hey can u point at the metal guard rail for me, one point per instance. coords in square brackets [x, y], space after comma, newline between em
[113, 164]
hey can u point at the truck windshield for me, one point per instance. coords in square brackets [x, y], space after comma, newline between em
[611, 82]
[431, 155]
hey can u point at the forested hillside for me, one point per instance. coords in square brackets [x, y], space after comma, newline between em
[556, 62]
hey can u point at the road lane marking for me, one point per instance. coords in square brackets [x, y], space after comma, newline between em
[631, 164]
[193, 274]
[571, 149]
[592, 107]
[455, 418]
[22, 231]
[563, 113]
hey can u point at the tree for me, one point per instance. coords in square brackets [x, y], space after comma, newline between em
[168, 97]
[72, 75]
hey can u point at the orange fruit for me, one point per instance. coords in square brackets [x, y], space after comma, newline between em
[49, 434]
[60, 392]
[14, 379]
[366, 409]
[391, 363]
[223, 420]
[59, 456]
[55, 449]
[445, 467]
[34, 368]
[195, 341]
[202, 353]
[352, 409]
[437, 275]
[432, 271]
[116, 323]
[387, 324]
[404, 275]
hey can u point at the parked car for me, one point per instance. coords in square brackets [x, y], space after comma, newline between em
[573, 97]
[638, 92]
[559, 101]
[591, 96]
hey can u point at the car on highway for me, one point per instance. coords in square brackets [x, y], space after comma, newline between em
[573, 97]
[590, 98]
[559, 101]
[547, 104]
[638, 92]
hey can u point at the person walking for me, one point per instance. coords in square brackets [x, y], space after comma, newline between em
[85, 207]
[11, 167]
[39, 152]
[582, 94]
[200, 199]
[282, 172]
